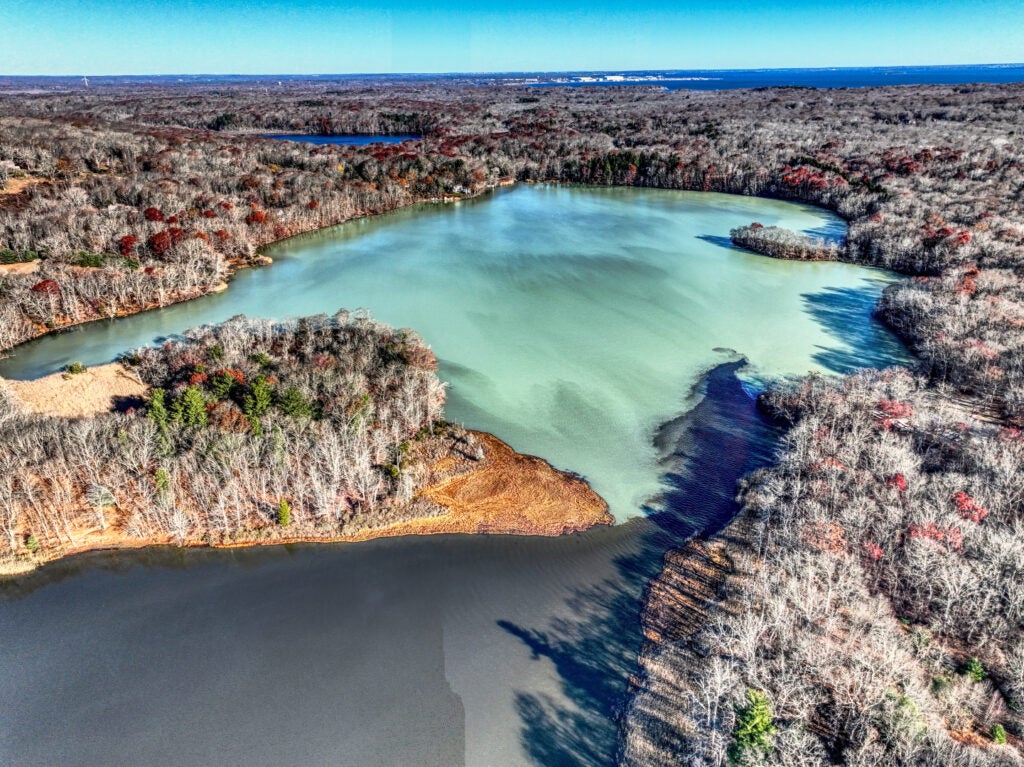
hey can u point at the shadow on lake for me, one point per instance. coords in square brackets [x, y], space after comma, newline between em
[847, 314]
[705, 452]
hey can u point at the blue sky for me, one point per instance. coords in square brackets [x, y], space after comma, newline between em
[305, 37]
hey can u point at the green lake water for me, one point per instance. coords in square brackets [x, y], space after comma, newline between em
[568, 321]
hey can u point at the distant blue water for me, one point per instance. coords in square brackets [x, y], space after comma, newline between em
[695, 79]
[342, 140]
[727, 79]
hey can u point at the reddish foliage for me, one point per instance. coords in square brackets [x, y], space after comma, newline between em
[47, 287]
[176, 234]
[224, 416]
[967, 286]
[1011, 434]
[323, 361]
[160, 242]
[256, 217]
[238, 375]
[898, 481]
[225, 205]
[969, 508]
[198, 379]
[312, 205]
[209, 214]
[172, 220]
[983, 351]
[872, 550]
[804, 177]
[895, 409]
[951, 536]
[126, 244]
[222, 235]
[153, 214]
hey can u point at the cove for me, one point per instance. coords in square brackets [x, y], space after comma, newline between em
[570, 322]
[605, 330]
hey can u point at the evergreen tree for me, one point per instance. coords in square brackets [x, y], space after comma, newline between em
[754, 727]
[221, 385]
[257, 402]
[292, 402]
[284, 513]
[157, 408]
[259, 399]
[190, 408]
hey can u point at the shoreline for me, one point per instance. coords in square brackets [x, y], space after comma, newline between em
[699, 583]
[509, 493]
[258, 259]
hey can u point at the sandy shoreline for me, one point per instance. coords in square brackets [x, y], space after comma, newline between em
[98, 390]
[510, 494]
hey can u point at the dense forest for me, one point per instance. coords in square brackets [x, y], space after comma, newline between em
[873, 615]
[874, 609]
[250, 430]
[131, 198]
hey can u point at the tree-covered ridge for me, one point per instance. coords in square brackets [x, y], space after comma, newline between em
[321, 425]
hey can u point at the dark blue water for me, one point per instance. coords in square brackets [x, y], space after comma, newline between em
[675, 79]
[842, 77]
[342, 140]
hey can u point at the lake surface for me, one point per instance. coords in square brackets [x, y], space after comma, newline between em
[599, 328]
[571, 322]
[342, 140]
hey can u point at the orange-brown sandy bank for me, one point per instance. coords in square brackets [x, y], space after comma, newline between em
[501, 492]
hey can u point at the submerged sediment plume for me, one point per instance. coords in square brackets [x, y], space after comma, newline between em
[260, 432]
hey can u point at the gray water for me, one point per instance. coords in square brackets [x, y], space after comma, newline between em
[573, 323]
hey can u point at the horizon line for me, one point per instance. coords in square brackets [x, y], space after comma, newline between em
[478, 73]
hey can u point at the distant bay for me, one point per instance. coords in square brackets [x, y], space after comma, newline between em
[668, 79]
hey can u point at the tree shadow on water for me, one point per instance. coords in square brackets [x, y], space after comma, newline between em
[594, 644]
[848, 314]
[722, 242]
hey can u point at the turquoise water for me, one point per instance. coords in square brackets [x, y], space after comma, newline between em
[571, 322]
